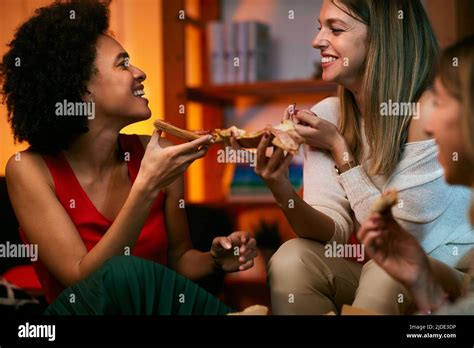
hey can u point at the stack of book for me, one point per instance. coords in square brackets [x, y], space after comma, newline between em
[238, 52]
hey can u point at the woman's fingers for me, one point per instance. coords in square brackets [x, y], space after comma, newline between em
[275, 160]
[289, 112]
[195, 145]
[282, 169]
[233, 142]
[369, 241]
[247, 247]
[155, 138]
[307, 117]
[248, 255]
[370, 224]
[222, 243]
[262, 151]
[236, 239]
[305, 131]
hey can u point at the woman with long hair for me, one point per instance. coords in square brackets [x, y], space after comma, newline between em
[366, 140]
[389, 244]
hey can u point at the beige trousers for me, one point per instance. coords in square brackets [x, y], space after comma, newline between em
[303, 280]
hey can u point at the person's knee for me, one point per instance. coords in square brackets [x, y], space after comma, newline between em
[380, 292]
[298, 279]
[293, 261]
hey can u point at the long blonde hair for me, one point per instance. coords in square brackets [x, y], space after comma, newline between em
[456, 71]
[401, 52]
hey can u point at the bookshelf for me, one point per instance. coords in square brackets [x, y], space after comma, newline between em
[266, 90]
[212, 98]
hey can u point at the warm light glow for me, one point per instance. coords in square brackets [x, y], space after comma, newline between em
[195, 177]
[12, 14]
[138, 27]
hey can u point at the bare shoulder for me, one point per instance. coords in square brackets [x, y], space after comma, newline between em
[27, 166]
[145, 139]
[416, 130]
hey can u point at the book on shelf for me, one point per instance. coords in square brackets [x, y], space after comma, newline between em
[258, 52]
[216, 58]
[238, 52]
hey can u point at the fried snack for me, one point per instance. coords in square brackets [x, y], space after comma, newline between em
[252, 310]
[386, 201]
[284, 135]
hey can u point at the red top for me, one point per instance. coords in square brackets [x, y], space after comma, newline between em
[152, 243]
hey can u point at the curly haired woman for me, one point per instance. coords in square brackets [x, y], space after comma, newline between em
[83, 192]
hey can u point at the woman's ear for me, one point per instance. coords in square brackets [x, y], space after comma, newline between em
[88, 96]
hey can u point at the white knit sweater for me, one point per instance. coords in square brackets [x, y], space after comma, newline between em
[434, 212]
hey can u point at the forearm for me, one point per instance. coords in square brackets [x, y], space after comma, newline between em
[306, 221]
[194, 264]
[123, 233]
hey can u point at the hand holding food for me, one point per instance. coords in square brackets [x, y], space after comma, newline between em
[316, 131]
[284, 135]
[385, 202]
[161, 166]
[390, 245]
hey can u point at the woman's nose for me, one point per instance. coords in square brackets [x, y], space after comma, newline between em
[319, 40]
[138, 74]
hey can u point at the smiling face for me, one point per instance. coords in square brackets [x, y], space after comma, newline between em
[445, 125]
[116, 88]
[342, 42]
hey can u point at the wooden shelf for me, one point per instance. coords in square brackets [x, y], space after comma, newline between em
[227, 94]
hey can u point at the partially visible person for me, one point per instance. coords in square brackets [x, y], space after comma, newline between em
[434, 285]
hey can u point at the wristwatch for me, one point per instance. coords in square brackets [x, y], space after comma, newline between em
[346, 166]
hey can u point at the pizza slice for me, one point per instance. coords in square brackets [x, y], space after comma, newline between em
[284, 135]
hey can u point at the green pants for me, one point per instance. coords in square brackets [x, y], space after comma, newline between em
[128, 285]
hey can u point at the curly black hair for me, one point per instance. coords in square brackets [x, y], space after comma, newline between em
[51, 59]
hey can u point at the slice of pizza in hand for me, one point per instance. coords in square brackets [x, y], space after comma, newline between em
[385, 202]
[245, 139]
[284, 135]
[176, 131]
